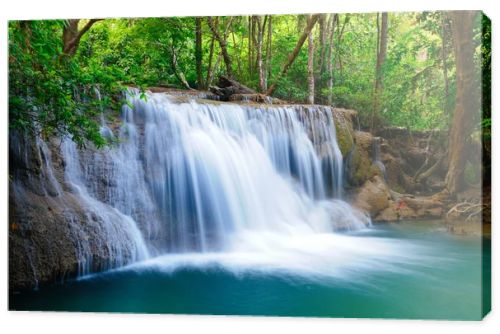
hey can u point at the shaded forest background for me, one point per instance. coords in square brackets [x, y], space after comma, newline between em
[395, 69]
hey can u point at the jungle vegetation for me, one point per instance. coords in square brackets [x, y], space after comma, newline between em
[413, 70]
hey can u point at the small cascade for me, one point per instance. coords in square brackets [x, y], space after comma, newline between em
[121, 240]
[100, 236]
[376, 155]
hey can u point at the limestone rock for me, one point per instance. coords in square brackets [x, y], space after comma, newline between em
[373, 197]
[411, 207]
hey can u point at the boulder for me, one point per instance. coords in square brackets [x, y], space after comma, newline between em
[403, 206]
[395, 212]
[373, 197]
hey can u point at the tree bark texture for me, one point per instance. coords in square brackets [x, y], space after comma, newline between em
[466, 103]
[199, 54]
[72, 36]
[310, 67]
[381, 55]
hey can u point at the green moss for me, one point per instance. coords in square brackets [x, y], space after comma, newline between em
[361, 168]
[345, 137]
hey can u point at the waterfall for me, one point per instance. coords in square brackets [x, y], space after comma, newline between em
[196, 176]
[122, 241]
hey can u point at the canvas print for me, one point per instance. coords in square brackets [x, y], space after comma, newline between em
[319, 165]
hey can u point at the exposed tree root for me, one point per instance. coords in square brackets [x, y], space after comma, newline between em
[468, 209]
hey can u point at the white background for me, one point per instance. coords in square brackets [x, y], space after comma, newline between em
[50, 322]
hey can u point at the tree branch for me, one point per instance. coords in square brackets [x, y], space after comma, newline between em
[71, 46]
[291, 57]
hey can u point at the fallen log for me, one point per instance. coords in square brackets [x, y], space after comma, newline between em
[226, 87]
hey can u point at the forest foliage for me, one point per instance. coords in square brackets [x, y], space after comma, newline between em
[53, 91]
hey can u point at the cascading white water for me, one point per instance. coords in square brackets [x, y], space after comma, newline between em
[376, 155]
[123, 241]
[202, 177]
[99, 236]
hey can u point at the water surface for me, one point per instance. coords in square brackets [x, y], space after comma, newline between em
[430, 274]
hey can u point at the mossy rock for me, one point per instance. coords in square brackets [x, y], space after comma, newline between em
[361, 163]
[344, 138]
[360, 169]
[344, 129]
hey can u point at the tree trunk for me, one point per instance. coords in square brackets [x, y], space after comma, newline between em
[330, 58]
[237, 49]
[269, 49]
[250, 47]
[444, 57]
[210, 58]
[381, 55]
[210, 79]
[222, 40]
[72, 36]
[260, 67]
[199, 54]
[323, 32]
[340, 35]
[254, 43]
[319, 74]
[291, 57]
[175, 68]
[310, 67]
[466, 103]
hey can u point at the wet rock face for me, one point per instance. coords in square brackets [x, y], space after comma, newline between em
[33, 227]
[39, 245]
[53, 234]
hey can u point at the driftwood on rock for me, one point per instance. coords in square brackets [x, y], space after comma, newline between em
[226, 87]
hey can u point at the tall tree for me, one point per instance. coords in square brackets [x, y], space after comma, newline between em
[322, 42]
[199, 53]
[382, 32]
[269, 46]
[210, 58]
[250, 46]
[222, 40]
[175, 67]
[330, 62]
[467, 101]
[444, 57]
[260, 38]
[72, 35]
[291, 57]
[310, 66]
[237, 48]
